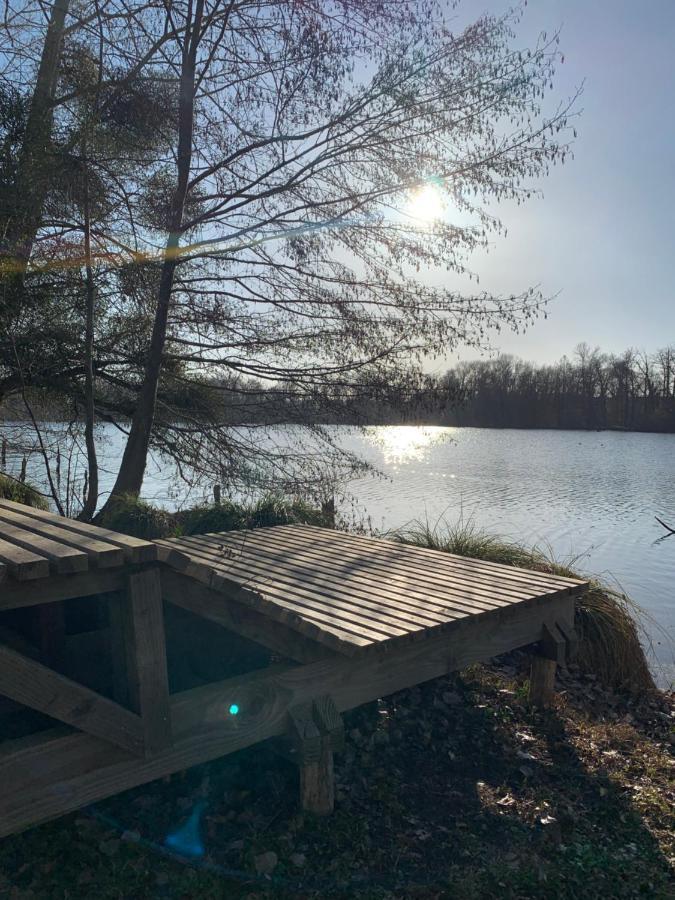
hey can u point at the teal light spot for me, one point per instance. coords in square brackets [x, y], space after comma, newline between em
[234, 709]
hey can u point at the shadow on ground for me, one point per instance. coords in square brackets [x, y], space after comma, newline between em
[452, 789]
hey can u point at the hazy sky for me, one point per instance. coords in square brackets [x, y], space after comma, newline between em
[603, 235]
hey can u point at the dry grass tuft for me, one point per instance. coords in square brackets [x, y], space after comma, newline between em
[608, 622]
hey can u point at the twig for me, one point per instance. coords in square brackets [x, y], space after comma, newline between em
[667, 527]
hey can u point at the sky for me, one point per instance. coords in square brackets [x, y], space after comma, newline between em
[602, 237]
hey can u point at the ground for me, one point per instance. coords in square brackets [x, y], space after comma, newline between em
[455, 789]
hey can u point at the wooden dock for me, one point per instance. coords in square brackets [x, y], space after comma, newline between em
[336, 621]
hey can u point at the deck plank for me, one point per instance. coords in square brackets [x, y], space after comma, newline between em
[62, 558]
[431, 560]
[307, 594]
[136, 550]
[100, 553]
[477, 590]
[351, 593]
[23, 565]
[325, 585]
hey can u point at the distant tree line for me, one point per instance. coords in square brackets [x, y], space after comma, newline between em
[634, 391]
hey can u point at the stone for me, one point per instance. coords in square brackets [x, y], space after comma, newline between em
[265, 863]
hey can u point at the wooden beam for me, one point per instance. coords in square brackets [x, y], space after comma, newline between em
[28, 682]
[542, 680]
[304, 733]
[242, 620]
[139, 625]
[552, 644]
[329, 721]
[16, 595]
[62, 774]
[571, 640]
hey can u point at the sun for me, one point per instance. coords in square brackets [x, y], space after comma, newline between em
[426, 204]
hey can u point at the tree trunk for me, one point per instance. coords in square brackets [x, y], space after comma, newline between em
[34, 163]
[130, 476]
[91, 498]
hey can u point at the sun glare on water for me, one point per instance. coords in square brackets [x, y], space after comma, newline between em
[403, 443]
[426, 204]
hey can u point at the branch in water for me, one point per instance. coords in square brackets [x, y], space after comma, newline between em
[667, 527]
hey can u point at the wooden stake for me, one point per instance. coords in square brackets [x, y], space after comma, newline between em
[317, 782]
[542, 681]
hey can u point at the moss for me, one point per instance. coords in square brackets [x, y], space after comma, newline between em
[20, 492]
[608, 622]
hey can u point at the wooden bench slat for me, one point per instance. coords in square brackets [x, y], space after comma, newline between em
[270, 585]
[136, 550]
[62, 559]
[102, 554]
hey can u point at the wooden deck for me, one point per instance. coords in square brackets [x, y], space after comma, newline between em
[346, 619]
[353, 593]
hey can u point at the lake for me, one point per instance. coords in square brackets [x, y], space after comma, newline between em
[586, 495]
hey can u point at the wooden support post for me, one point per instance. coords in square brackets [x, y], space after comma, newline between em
[139, 657]
[317, 782]
[542, 681]
[316, 730]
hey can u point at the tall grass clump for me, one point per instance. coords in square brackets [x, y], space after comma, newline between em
[607, 622]
[20, 492]
[263, 513]
[137, 517]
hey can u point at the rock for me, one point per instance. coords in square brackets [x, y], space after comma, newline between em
[235, 845]
[265, 863]
[132, 836]
[298, 860]
[452, 698]
[109, 848]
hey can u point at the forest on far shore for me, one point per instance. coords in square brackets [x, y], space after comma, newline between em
[632, 391]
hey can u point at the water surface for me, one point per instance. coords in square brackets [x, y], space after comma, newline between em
[589, 496]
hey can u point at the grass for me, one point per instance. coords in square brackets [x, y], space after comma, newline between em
[21, 492]
[270, 510]
[607, 621]
[131, 515]
[136, 517]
